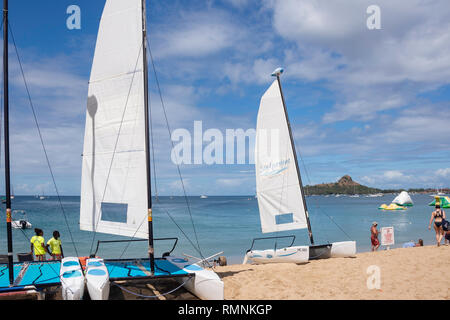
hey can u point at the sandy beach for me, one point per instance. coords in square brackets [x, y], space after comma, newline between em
[409, 273]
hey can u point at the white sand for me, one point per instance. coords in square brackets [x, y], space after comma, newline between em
[410, 273]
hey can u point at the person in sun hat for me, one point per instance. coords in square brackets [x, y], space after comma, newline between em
[374, 236]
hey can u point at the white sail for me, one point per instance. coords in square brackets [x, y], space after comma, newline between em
[114, 186]
[278, 188]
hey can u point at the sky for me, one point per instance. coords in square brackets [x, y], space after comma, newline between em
[370, 103]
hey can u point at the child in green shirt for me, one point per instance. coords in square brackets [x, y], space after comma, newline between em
[38, 244]
[54, 246]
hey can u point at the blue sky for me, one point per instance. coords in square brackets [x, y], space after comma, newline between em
[373, 104]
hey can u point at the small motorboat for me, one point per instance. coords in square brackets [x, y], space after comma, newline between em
[21, 223]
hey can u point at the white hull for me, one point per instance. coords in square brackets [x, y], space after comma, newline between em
[343, 249]
[72, 279]
[298, 254]
[97, 279]
[206, 284]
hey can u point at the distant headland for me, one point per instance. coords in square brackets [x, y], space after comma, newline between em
[346, 185]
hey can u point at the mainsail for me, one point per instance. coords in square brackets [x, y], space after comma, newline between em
[279, 192]
[114, 185]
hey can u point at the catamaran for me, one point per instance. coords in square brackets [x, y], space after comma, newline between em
[116, 193]
[280, 194]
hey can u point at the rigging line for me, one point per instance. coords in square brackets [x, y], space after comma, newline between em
[41, 138]
[116, 144]
[170, 135]
[129, 243]
[152, 146]
[318, 206]
[185, 235]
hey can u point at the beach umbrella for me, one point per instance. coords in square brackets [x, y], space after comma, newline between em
[443, 201]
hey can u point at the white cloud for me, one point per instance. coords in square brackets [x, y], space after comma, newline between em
[443, 172]
[369, 71]
[232, 182]
[196, 34]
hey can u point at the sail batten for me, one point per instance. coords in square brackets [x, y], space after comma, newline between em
[114, 185]
[279, 193]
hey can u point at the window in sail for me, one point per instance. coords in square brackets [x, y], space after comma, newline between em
[114, 212]
[284, 218]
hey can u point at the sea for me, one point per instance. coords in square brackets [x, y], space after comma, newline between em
[220, 224]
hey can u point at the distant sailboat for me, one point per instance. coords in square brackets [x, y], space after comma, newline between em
[281, 198]
[42, 196]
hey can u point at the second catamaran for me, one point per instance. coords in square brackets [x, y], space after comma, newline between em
[280, 194]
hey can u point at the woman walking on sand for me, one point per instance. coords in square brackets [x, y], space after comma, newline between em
[438, 215]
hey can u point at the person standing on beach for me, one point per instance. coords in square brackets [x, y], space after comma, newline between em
[446, 227]
[38, 244]
[439, 216]
[374, 237]
[54, 247]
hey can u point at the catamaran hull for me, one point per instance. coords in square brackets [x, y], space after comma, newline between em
[97, 279]
[206, 284]
[343, 249]
[72, 279]
[298, 254]
[320, 252]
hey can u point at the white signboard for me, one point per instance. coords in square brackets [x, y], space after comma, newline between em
[387, 236]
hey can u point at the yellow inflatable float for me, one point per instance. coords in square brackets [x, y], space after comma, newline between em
[392, 206]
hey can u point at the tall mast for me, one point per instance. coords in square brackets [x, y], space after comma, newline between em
[277, 73]
[6, 125]
[151, 250]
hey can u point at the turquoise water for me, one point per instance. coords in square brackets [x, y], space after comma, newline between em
[223, 224]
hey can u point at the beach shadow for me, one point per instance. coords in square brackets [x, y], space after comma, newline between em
[160, 289]
[230, 273]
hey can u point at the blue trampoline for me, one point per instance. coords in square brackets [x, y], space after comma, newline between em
[38, 274]
[129, 269]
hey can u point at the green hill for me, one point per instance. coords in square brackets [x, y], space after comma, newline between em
[345, 185]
